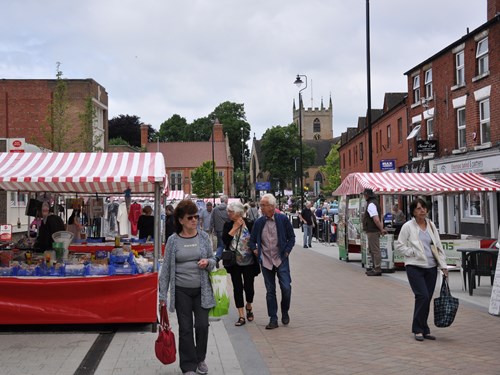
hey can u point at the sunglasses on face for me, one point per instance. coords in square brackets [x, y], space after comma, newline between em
[193, 217]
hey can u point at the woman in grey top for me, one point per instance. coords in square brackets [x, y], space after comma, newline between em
[188, 259]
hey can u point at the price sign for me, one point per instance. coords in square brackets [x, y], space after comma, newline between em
[5, 232]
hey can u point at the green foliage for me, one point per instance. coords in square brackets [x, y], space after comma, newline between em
[129, 128]
[280, 145]
[118, 142]
[174, 129]
[202, 180]
[331, 170]
[58, 124]
[90, 134]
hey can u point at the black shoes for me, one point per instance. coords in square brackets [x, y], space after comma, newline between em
[429, 337]
[305, 246]
[285, 319]
[373, 273]
[272, 325]
[419, 337]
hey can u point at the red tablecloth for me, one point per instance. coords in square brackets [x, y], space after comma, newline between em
[93, 247]
[109, 299]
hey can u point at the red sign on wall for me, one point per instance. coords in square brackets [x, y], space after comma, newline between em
[5, 232]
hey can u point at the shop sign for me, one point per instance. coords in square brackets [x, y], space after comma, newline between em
[387, 165]
[16, 145]
[263, 185]
[428, 145]
[6, 232]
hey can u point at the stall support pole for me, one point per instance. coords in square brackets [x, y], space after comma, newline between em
[157, 231]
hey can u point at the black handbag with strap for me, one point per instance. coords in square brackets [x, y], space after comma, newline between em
[229, 256]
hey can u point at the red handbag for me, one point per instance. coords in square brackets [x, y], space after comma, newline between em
[165, 343]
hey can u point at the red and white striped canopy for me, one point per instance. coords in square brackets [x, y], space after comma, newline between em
[82, 172]
[176, 195]
[415, 183]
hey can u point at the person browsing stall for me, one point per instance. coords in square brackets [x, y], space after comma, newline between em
[184, 275]
[50, 224]
[415, 242]
[374, 228]
[75, 225]
[146, 224]
[272, 240]
[236, 235]
[306, 216]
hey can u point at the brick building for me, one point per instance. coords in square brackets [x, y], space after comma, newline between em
[24, 105]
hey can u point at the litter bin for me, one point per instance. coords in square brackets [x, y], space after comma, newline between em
[295, 221]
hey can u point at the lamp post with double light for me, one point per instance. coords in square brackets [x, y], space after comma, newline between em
[298, 82]
[243, 164]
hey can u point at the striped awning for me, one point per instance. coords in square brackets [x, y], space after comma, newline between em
[82, 172]
[175, 195]
[415, 183]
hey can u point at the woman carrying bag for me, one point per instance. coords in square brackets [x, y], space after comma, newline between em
[235, 235]
[421, 247]
[185, 275]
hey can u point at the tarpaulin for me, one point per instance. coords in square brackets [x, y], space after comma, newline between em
[109, 299]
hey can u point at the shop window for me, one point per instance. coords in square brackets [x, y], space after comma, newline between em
[459, 69]
[461, 127]
[416, 89]
[472, 205]
[482, 57]
[484, 120]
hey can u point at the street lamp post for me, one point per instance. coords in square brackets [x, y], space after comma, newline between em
[213, 164]
[295, 175]
[243, 164]
[299, 83]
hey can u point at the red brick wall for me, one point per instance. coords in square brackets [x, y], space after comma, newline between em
[24, 108]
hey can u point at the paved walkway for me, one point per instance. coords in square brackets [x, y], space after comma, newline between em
[342, 322]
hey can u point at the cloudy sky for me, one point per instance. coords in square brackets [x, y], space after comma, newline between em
[157, 58]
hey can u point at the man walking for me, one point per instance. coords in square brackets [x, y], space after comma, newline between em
[218, 218]
[372, 225]
[205, 216]
[306, 217]
[272, 240]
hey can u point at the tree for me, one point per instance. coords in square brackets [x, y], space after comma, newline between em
[174, 129]
[233, 119]
[202, 180]
[90, 135]
[280, 145]
[58, 124]
[129, 128]
[331, 170]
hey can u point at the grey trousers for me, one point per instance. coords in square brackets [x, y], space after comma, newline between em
[374, 249]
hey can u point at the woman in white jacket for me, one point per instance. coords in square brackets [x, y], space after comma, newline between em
[415, 242]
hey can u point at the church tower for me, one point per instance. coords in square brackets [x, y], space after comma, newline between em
[317, 123]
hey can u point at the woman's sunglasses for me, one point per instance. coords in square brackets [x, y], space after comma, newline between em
[193, 217]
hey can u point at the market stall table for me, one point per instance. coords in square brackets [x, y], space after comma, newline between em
[470, 264]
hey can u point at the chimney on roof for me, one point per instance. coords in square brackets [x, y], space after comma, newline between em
[493, 8]
[218, 132]
[144, 135]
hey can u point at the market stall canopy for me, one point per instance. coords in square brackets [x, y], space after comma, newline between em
[415, 183]
[176, 195]
[82, 172]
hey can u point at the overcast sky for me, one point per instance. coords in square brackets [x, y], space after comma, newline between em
[158, 58]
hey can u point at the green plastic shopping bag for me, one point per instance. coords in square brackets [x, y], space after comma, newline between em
[218, 279]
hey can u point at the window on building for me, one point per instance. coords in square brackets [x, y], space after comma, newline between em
[472, 205]
[316, 126]
[355, 154]
[400, 130]
[221, 175]
[460, 68]
[343, 160]
[430, 128]
[416, 89]
[349, 158]
[484, 120]
[428, 83]
[483, 65]
[176, 180]
[461, 127]
[361, 151]
[388, 136]
[376, 141]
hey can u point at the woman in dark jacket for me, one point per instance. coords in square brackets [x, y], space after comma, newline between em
[235, 235]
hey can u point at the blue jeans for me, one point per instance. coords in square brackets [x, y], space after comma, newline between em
[285, 281]
[308, 230]
[422, 282]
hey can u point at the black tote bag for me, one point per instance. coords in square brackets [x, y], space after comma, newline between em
[445, 306]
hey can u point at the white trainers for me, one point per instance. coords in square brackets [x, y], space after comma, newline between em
[202, 368]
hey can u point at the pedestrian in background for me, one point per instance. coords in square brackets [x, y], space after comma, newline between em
[272, 240]
[373, 227]
[236, 235]
[218, 218]
[187, 262]
[169, 221]
[415, 242]
[306, 217]
[205, 216]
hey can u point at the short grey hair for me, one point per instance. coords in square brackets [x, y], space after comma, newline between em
[223, 199]
[236, 207]
[271, 199]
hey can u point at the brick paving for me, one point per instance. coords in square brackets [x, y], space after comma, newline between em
[343, 322]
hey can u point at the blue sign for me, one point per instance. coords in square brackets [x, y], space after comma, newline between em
[263, 186]
[387, 165]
